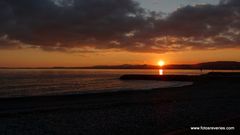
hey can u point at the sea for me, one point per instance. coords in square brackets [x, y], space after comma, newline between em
[41, 82]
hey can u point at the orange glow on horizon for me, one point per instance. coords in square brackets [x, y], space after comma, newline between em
[161, 63]
[30, 57]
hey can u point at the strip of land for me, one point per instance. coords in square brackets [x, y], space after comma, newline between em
[220, 76]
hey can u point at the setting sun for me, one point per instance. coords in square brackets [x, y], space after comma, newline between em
[161, 63]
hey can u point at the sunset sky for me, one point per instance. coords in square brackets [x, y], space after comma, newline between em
[45, 33]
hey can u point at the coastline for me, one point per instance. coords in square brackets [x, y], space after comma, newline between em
[154, 111]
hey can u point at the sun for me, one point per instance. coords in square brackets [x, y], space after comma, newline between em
[161, 63]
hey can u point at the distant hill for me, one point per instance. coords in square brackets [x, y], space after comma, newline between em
[230, 65]
[218, 65]
[126, 66]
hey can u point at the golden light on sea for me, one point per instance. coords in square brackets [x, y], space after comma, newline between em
[160, 71]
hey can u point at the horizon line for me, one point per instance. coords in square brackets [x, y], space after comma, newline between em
[151, 66]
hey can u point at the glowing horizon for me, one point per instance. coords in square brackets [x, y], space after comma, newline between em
[38, 58]
[161, 63]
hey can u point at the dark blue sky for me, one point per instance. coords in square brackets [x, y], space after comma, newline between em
[171, 5]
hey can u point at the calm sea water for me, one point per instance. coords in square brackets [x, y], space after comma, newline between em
[25, 82]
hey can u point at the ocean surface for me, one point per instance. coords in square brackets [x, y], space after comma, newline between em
[35, 82]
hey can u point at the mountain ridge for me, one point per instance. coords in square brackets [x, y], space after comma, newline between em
[217, 65]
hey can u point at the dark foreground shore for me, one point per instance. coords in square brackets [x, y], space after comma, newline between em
[208, 102]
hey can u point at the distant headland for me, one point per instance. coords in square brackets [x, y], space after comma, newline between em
[218, 65]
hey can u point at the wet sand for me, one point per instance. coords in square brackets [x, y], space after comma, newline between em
[209, 102]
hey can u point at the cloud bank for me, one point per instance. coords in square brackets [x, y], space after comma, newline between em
[85, 25]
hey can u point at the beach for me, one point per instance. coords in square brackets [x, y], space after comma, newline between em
[157, 111]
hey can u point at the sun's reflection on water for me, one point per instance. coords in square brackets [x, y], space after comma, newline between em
[160, 71]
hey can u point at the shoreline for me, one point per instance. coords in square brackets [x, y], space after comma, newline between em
[135, 112]
[197, 81]
[178, 84]
[53, 100]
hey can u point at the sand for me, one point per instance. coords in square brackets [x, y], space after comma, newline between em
[158, 111]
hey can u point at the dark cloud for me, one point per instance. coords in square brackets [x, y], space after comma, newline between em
[6, 43]
[77, 25]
